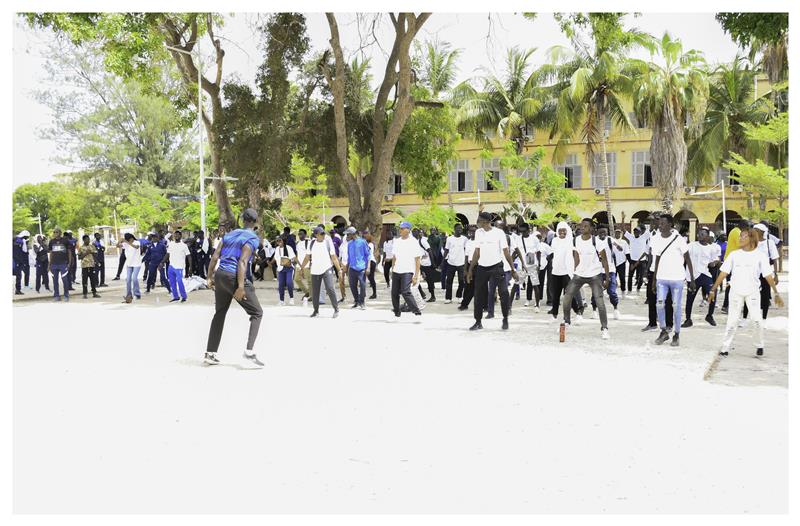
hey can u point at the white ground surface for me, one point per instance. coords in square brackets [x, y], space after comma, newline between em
[115, 413]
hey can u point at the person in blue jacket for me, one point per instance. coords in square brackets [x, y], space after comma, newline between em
[21, 262]
[155, 254]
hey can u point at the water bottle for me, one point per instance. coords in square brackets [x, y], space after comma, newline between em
[562, 332]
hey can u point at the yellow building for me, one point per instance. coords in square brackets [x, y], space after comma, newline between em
[632, 194]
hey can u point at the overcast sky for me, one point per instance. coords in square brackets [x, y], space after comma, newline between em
[482, 39]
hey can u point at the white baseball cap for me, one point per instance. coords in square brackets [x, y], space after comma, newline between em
[761, 227]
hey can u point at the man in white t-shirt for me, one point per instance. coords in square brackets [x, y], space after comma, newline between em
[670, 252]
[622, 253]
[768, 248]
[455, 253]
[491, 250]
[175, 259]
[302, 244]
[426, 264]
[405, 269]
[469, 286]
[638, 240]
[133, 263]
[705, 258]
[591, 268]
[386, 256]
[322, 256]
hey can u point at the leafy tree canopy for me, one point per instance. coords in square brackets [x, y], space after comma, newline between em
[745, 28]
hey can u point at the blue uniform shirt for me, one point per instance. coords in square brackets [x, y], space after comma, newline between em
[358, 254]
[232, 245]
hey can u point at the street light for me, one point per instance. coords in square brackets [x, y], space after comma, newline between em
[199, 130]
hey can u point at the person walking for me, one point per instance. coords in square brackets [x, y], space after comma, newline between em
[542, 290]
[705, 259]
[174, 259]
[622, 253]
[232, 281]
[469, 251]
[87, 254]
[406, 268]
[287, 258]
[387, 255]
[373, 263]
[100, 259]
[671, 252]
[529, 253]
[60, 259]
[426, 265]
[746, 266]
[72, 245]
[638, 241]
[768, 247]
[202, 254]
[357, 266]
[302, 283]
[42, 271]
[21, 260]
[322, 257]
[133, 264]
[154, 259]
[604, 240]
[592, 268]
[563, 265]
[455, 256]
[491, 248]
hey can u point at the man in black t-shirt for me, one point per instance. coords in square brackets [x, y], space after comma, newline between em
[61, 258]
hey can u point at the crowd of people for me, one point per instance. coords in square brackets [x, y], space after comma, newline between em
[486, 263]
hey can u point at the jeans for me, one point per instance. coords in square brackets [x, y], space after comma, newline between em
[452, 271]
[316, 288]
[225, 283]
[61, 270]
[176, 282]
[286, 282]
[132, 281]
[88, 275]
[652, 312]
[596, 284]
[612, 291]
[737, 302]
[358, 284]
[675, 288]
[401, 285]
[703, 283]
[483, 278]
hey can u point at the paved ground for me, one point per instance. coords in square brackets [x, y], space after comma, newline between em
[371, 414]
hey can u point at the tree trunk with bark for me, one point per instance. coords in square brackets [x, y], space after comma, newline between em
[668, 156]
[366, 198]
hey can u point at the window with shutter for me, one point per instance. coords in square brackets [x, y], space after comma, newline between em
[640, 169]
[598, 176]
[390, 185]
[398, 184]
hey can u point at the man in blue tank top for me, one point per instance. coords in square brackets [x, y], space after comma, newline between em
[231, 280]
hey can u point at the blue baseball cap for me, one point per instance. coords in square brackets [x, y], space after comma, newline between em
[405, 224]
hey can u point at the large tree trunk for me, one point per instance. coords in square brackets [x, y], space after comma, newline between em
[366, 198]
[606, 178]
[668, 156]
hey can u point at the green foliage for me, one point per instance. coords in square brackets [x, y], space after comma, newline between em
[759, 177]
[38, 198]
[73, 207]
[604, 29]
[307, 197]
[23, 219]
[147, 208]
[433, 216]
[436, 63]
[745, 28]
[192, 218]
[426, 148]
[775, 131]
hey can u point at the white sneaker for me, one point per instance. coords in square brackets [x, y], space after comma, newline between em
[291, 301]
[305, 302]
[281, 304]
[593, 315]
[604, 334]
[527, 303]
[578, 319]
[743, 323]
[252, 358]
[616, 314]
[446, 302]
[536, 309]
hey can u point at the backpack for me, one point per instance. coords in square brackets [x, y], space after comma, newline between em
[328, 243]
[594, 244]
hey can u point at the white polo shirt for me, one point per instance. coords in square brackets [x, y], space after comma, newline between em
[457, 250]
[491, 245]
[405, 253]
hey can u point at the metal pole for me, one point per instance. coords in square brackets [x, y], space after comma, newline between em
[200, 140]
[40, 223]
[724, 212]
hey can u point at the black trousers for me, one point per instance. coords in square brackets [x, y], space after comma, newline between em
[652, 313]
[121, 264]
[430, 279]
[452, 271]
[371, 277]
[401, 286]
[558, 284]
[42, 276]
[225, 284]
[469, 291]
[73, 270]
[766, 298]
[621, 276]
[637, 272]
[100, 271]
[387, 271]
[484, 276]
[88, 275]
[19, 270]
[703, 283]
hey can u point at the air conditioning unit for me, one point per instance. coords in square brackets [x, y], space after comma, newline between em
[689, 190]
[388, 197]
[597, 191]
[736, 188]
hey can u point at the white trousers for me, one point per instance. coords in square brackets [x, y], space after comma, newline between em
[737, 303]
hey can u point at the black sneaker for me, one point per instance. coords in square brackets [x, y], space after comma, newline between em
[489, 316]
[664, 336]
[354, 305]
[397, 313]
[253, 359]
[418, 313]
[676, 340]
[724, 310]
[723, 353]
[650, 328]
[505, 324]
[173, 300]
[314, 314]
[19, 293]
[462, 307]
[372, 297]
[102, 285]
[210, 359]
[431, 299]
[115, 279]
[95, 295]
[687, 323]
[183, 300]
[710, 320]
[476, 327]
[760, 351]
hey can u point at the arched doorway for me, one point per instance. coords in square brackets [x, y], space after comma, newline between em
[339, 222]
[641, 217]
[463, 220]
[731, 217]
[683, 220]
[601, 218]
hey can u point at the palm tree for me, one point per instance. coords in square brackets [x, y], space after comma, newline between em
[667, 95]
[436, 62]
[511, 105]
[731, 107]
[591, 87]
